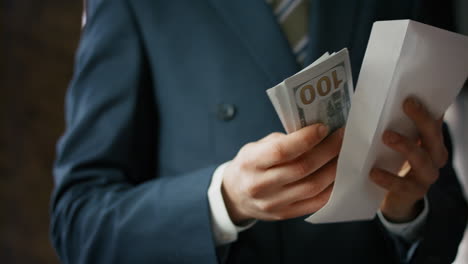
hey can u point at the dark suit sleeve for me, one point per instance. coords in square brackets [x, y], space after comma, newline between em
[447, 217]
[107, 207]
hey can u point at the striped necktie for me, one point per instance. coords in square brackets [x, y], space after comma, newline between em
[292, 17]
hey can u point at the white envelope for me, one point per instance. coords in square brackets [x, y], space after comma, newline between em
[403, 58]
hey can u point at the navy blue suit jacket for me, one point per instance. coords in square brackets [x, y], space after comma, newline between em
[146, 128]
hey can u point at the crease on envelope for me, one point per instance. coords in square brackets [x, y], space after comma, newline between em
[359, 132]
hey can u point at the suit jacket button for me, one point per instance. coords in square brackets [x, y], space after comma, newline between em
[226, 112]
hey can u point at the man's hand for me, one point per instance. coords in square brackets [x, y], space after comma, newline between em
[424, 158]
[282, 176]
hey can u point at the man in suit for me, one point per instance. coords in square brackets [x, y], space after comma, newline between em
[166, 93]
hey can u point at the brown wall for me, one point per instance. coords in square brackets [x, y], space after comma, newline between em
[38, 39]
[37, 43]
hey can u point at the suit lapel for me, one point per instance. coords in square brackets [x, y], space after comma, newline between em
[331, 24]
[255, 25]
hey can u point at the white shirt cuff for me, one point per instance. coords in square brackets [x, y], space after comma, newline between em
[224, 230]
[410, 231]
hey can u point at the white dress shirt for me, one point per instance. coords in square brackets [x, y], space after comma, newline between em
[225, 231]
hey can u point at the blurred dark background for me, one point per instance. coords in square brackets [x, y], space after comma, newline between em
[38, 40]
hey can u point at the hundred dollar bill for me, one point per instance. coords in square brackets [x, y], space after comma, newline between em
[319, 93]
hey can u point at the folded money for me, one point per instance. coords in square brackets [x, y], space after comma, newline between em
[403, 58]
[320, 93]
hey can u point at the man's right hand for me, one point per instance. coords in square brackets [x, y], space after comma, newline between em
[282, 176]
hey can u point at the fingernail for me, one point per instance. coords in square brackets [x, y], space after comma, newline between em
[322, 130]
[391, 137]
[414, 103]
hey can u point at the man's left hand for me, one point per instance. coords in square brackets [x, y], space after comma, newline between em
[424, 159]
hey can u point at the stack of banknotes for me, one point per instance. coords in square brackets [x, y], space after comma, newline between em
[403, 59]
[320, 93]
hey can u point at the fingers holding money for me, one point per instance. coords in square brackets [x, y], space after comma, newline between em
[305, 188]
[268, 178]
[300, 198]
[303, 207]
[309, 162]
[277, 149]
